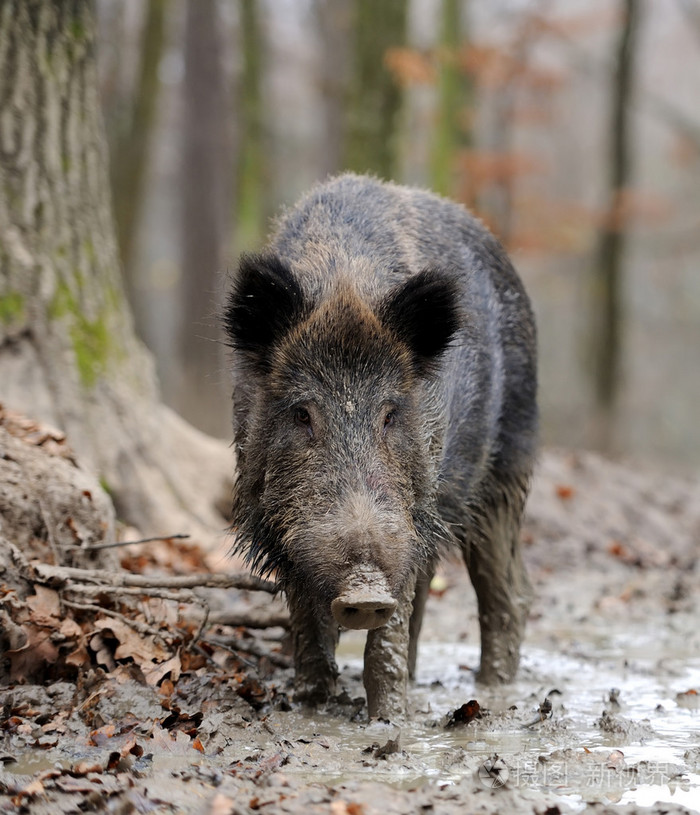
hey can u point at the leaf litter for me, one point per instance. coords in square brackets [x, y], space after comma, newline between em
[121, 701]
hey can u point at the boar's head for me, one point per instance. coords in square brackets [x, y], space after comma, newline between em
[338, 423]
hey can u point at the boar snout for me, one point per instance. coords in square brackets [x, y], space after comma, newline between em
[365, 601]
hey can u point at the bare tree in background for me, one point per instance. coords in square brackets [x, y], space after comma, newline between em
[334, 19]
[205, 173]
[68, 352]
[251, 183]
[453, 131]
[131, 133]
[375, 96]
[609, 258]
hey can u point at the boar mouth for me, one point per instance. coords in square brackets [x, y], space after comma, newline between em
[364, 600]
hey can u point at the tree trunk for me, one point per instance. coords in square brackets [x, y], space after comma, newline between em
[455, 98]
[609, 259]
[334, 19]
[129, 152]
[251, 182]
[205, 172]
[375, 97]
[68, 353]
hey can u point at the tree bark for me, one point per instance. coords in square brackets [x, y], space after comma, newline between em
[68, 353]
[129, 153]
[205, 172]
[455, 97]
[251, 177]
[333, 18]
[609, 258]
[375, 97]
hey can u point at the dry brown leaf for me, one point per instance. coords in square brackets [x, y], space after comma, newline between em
[67, 783]
[616, 760]
[221, 805]
[167, 688]
[83, 768]
[689, 699]
[57, 724]
[154, 673]
[34, 787]
[37, 652]
[69, 628]
[174, 741]
[78, 658]
[347, 808]
[143, 650]
[103, 655]
[565, 491]
[45, 606]
[102, 734]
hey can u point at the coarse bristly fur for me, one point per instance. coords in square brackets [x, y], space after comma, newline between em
[384, 370]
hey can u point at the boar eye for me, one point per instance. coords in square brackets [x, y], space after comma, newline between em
[302, 418]
[389, 419]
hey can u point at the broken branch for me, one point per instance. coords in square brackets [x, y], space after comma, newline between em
[61, 575]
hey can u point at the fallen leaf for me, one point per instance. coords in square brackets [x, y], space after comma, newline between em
[33, 657]
[102, 734]
[142, 649]
[464, 715]
[33, 788]
[689, 699]
[174, 741]
[45, 606]
[564, 491]
[221, 805]
[347, 808]
[619, 550]
[79, 657]
[167, 688]
[69, 628]
[103, 655]
[616, 760]
[154, 673]
[83, 768]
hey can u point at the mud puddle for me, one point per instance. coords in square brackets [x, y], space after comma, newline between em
[624, 725]
[604, 717]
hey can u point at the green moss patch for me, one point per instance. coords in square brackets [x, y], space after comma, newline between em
[11, 308]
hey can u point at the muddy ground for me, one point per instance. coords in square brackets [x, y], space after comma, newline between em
[604, 717]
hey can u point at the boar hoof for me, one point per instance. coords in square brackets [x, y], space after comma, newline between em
[362, 610]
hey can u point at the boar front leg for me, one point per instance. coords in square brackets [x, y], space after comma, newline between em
[314, 638]
[502, 588]
[385, 673]
[416, 623]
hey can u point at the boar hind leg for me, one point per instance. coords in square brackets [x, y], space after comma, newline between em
[385, 673]
[503, 591]
[314, 638]
[416, 621]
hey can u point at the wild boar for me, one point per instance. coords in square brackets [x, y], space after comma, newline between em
[384, 364]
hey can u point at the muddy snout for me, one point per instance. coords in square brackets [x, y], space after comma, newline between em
[365, 601]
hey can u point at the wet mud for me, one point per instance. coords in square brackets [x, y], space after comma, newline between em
[604, 716]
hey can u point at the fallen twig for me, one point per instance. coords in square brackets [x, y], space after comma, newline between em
[113, 544]
[91, 590]
[250, 646]
[60, 575]
[253, 618]
[141, 628]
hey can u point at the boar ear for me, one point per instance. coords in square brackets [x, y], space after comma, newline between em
[424, 312]
[265, 302]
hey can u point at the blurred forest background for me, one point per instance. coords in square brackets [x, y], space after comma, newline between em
[571, 127]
